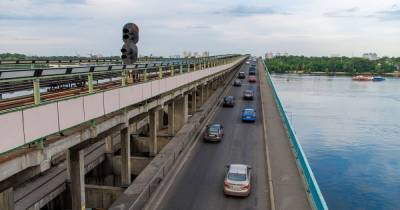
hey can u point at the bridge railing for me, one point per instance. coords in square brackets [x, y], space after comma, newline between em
[315, 194]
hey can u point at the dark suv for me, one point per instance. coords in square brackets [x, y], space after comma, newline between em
[241, 75]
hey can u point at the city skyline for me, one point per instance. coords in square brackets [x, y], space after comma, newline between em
[302, 27]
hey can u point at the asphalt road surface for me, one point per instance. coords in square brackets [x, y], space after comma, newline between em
[199, 184]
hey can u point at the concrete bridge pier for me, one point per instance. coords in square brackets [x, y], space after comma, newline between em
[193, 101]
[75, 164]
[125, 157]
[171, 118]
[108, 161]
[180, 112]
[153, 122]
[201, 95]
[7, 199]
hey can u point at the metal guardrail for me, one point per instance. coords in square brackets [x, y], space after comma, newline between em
[314, 192]
[13, 74]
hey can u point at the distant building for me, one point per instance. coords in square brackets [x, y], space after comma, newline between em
[187, 54]
[269, 55]
[196, 54]
[205, 54]
[335, 56]
[370, 56]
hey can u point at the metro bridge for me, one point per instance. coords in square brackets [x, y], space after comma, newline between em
[130, 137]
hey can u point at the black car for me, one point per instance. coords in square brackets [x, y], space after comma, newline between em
[237, 83]
[252, 68]
[229, 101]
[248, 94]
[241, 75]
[252, 72]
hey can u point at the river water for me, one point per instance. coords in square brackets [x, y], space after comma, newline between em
[350, 132]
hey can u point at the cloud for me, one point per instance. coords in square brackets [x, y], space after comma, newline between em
[241, 11]
[392, 14]
[351, 12]
[31, 18]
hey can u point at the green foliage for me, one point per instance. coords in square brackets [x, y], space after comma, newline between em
[12, 56]
[283, 64]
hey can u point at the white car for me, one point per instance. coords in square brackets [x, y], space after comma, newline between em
[237, 180]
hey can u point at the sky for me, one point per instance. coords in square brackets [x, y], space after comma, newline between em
[169, 27]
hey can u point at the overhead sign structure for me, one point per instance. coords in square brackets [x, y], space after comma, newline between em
[130, 36]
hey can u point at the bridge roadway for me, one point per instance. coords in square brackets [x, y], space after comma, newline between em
[199, 184]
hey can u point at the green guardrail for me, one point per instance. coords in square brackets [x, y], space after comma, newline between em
[314, 192]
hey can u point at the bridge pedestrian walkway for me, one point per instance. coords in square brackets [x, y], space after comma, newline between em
[288, 189]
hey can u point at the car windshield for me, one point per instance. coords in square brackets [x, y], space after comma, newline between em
[213, 129]
[237, 177]
[228, 98]
[248, 91]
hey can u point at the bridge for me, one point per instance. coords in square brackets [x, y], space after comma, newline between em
[97, 134]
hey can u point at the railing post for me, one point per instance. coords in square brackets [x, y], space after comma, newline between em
[188, 67]
[90, 82]
[145, 75]
[194, 66]
[160, 72]
[123, 78]
[36, 91]
[181, 69]
[172, 70]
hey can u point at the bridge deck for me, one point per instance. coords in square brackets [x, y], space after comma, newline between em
[199, 184]
[288, 187]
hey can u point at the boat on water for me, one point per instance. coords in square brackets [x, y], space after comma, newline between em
[362, 78]
[378, 79]
[368, 78]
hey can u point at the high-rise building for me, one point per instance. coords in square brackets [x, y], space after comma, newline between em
[205, 54]
[269, 55]
[370, 56]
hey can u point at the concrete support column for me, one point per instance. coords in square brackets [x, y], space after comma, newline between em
[77, 176]
[206, 91]
[7, 199]
[194, 101]
[181, 112]
[201, 94]
[160, 119]
[108, 162]
[153, 122]
[125, 158]
[171, 118]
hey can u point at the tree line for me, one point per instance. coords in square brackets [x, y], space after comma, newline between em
[331, 65]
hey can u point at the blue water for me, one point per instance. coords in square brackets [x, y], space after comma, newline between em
[350, 132]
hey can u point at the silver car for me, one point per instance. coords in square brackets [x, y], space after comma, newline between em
[237, 180]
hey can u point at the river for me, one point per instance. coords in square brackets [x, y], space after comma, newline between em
[350, 132]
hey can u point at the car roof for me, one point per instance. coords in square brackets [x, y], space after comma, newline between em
[248, 108]
[214, 124]
[238, 168]
[247, 90]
